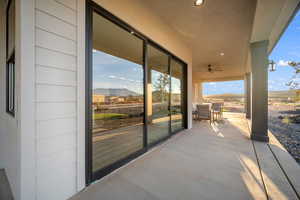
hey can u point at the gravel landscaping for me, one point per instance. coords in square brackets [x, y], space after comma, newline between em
[286, 127]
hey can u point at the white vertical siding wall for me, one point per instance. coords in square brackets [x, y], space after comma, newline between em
[56, 98]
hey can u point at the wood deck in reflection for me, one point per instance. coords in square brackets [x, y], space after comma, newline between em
[113, 145]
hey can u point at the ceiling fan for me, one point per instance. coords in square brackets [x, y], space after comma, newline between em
[212, 70]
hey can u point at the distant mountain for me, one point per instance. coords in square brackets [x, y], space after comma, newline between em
[271, 94]
[121, 92]
[224, 96]
[283, 93]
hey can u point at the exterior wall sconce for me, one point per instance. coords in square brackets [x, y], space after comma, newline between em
[272, 66]
[198, 2]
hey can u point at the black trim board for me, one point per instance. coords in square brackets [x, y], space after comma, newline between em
[88, 92]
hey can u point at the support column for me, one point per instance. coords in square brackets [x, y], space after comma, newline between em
[259, 91]
[247, 84]
[200, 93]
[197, 92]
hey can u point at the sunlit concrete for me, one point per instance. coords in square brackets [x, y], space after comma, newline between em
[205, 162]
[287, 163]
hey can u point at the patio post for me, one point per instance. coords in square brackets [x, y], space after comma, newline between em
[259, 91]
[248, 95]
[197, 92]
[200, 94]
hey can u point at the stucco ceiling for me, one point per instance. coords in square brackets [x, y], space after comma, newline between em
[226, 26]
[210, 29]
[271, 19]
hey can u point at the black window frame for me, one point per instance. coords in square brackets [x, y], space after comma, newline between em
[92, 7]
[10, 66]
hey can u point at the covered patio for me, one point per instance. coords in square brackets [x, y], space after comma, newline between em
[215, 161]
[90, 89]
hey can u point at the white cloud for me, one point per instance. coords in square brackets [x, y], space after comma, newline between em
[124, 79]
[212, 83]
[283, 63]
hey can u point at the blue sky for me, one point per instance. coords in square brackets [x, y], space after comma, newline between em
[113, 72]
[287, 49]
[236, 87]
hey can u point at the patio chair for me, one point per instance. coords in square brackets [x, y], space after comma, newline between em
[204, 112]
[217, 110]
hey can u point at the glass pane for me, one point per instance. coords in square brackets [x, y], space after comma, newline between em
[11, 87]
[158, 95]
[11, 29]
[176, 95]
[118, 93]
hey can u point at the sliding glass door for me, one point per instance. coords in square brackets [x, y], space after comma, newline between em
[158, 95]
[135, 93]
[118, 93]
[177, 95]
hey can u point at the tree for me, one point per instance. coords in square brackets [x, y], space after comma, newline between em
[161, 85]
[294, 82]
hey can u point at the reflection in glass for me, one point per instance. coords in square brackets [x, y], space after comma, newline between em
[118, 93]
[176, 96]
[158, 95]
[11, 23]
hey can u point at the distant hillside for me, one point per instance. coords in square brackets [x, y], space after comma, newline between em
[121, 92]
[224, 96]
[283, 93]
[272, 94]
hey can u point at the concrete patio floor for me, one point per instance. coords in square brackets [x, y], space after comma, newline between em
[205, 162]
